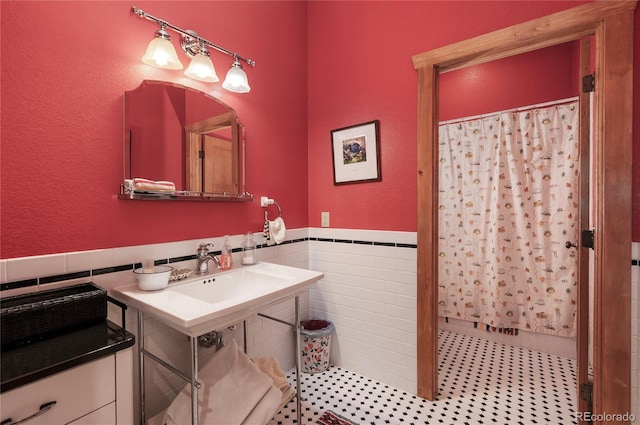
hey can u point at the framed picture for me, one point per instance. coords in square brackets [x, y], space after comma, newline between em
[356, 153]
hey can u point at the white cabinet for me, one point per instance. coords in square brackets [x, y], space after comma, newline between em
[104, 415]
[85, 394]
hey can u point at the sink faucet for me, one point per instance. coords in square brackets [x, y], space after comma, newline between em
[203, 256]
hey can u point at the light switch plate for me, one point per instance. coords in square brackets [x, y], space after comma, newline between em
[324, 219]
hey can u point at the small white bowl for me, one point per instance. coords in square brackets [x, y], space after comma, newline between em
[152, 281]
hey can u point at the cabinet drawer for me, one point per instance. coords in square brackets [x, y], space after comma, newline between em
[104, 416]
[76, 392]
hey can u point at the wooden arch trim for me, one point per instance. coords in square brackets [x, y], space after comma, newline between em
[610, 23]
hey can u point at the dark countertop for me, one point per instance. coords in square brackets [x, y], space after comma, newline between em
[36, 360]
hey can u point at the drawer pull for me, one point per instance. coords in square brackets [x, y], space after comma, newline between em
[44, 408]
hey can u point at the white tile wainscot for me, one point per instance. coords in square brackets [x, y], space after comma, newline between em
[369, 292]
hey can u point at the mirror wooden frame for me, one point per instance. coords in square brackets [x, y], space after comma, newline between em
[610, 24]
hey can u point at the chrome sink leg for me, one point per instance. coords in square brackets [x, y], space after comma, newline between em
[194, 380]
[141, 389]
[298, 379]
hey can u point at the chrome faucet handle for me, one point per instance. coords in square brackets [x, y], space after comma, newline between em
[203, 256]
[203, 249]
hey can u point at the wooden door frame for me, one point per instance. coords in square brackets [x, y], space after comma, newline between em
[611, 25]
[584, 220]
[193, 135]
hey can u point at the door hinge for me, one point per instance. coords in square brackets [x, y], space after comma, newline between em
[588, 239]
[201, 154]
[586, 394]
[589, 83]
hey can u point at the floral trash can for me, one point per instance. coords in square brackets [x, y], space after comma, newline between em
[316, 345]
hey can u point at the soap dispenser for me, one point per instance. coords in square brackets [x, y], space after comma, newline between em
[226, 257]
[248, 249]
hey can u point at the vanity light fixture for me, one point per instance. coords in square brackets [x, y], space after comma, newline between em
[201, 67]
[161, 52]
[236, 79]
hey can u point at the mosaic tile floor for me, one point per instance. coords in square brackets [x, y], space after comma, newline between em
[481, 382]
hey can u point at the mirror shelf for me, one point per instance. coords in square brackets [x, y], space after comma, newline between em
[184, 195]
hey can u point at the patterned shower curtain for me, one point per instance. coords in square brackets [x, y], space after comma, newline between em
[508, 204]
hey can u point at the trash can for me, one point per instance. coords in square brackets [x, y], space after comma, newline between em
[316, 345]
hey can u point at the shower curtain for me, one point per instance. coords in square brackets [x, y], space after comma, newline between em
[508, 199]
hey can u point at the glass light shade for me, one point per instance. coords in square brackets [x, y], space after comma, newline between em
[236, 79]
[201, 68]
[162, 54]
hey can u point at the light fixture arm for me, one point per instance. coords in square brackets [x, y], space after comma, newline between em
[190, 34]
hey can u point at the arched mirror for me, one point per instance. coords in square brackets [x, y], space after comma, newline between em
[183, 139]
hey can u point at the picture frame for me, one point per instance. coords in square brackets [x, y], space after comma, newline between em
[356, 153]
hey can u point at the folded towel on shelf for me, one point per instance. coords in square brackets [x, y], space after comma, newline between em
[145, 185]
[233, 391]
[286, 398]
[270, 367]
[277, 231]
[261, 414]
[265, 410]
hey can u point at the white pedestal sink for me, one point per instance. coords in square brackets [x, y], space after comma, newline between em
[212, 302]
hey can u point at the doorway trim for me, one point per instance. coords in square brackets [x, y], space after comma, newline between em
[611, 26]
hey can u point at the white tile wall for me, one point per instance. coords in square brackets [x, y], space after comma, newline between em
[369, 293]
[42, 265]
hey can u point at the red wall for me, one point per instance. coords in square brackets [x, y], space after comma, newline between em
[528, 79]
[155, 148]
[360, 69]
[65, 67]
[320, 66]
